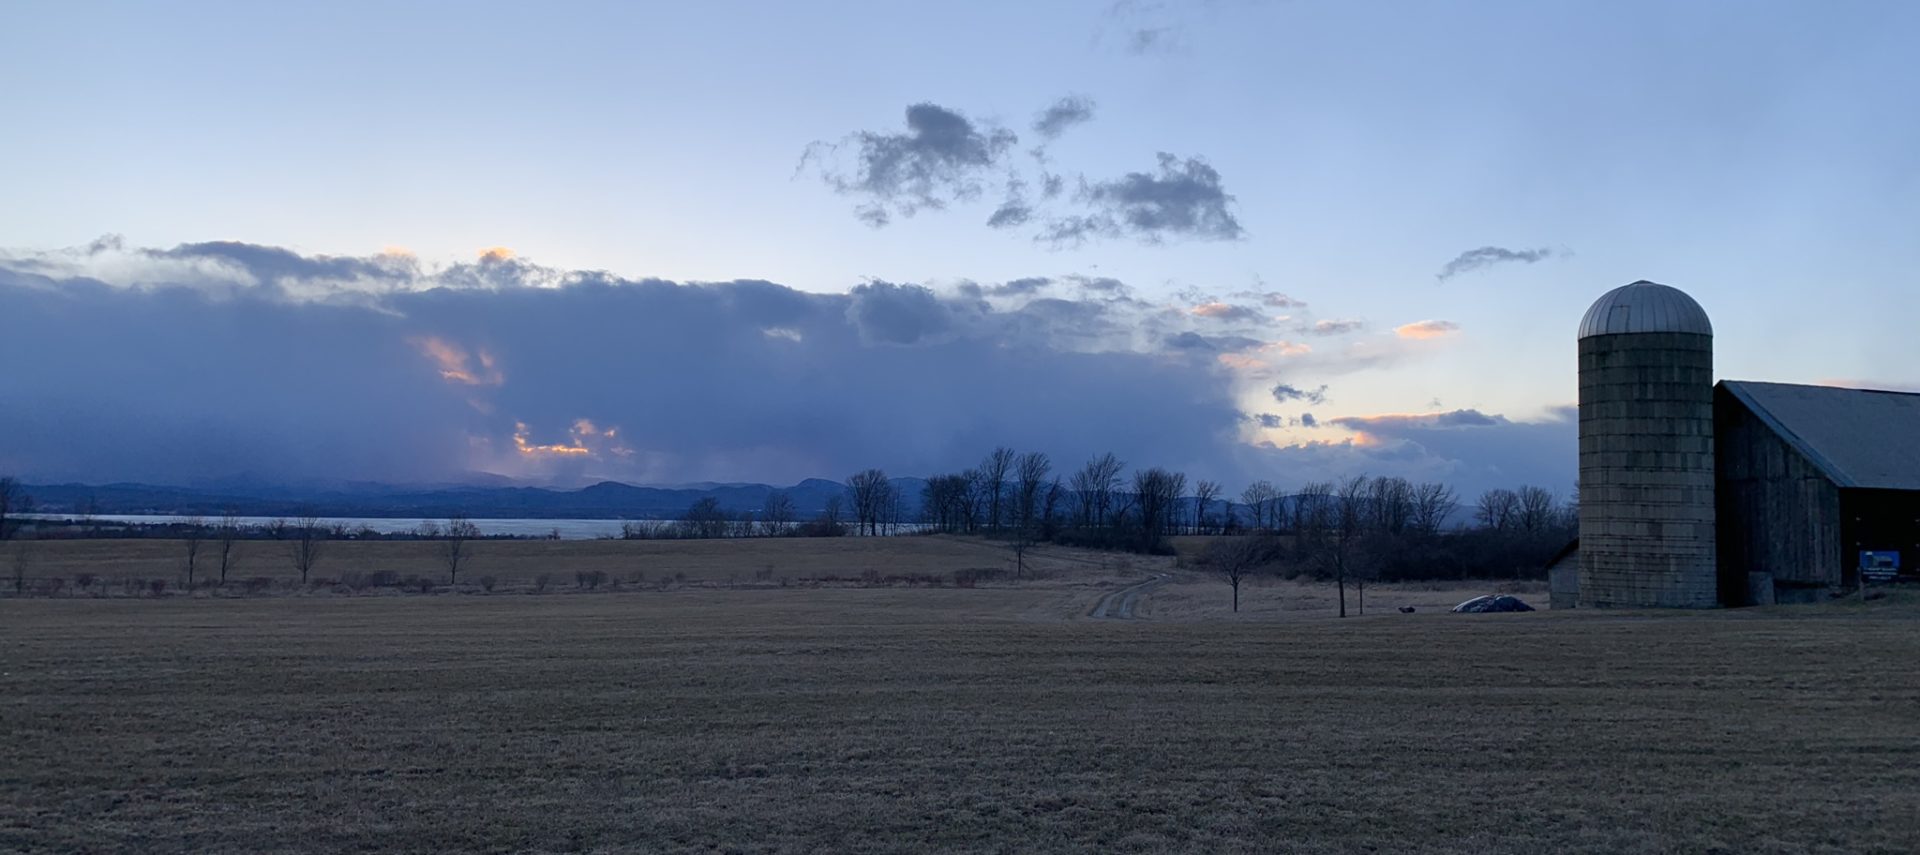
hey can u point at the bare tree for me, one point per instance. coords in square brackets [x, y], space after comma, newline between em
[225, 534]
[778, 514]
[1257, 498]
[1389, 504]
[993, 482]
[1536, 509]
[1497, 509]
[830, 514]
[1433, 503]
[871, 494]
[1234, 558]
[704, 519]
[1313, 512]
[9, 495]
[1030, 479]
[1350, 517]
[453, 549]
[1050, 512]
[308, 541]
[1156, 496]
[1204, 492]
[24, 554]
[1093, 486]
[193, 532]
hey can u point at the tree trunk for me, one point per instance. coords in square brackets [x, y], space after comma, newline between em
[1341, 580]
[1236, 596]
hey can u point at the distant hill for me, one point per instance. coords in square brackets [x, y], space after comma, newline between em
[605, 500]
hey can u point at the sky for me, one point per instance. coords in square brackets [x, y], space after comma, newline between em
[667, 243]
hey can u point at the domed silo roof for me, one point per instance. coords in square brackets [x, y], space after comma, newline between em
[1645, 307]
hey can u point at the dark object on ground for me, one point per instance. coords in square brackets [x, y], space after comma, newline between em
[1406, 610]
[1493, 603]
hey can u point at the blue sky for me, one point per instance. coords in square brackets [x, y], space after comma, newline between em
[1765, 157]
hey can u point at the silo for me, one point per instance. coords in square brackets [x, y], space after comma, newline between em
[1646, 450]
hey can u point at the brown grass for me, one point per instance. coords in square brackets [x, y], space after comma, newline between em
[890, 719]
[516, 564]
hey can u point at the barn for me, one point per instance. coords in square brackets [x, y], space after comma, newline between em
[1695, 494]
[1813, 483]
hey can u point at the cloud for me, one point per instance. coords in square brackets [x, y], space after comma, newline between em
[1010, 214]
[941, 158]
[222, 361]
[1182, 199]
[1152, 40]
[1227, 312]
[493, 366]
[1335, 327]
[1270, 299]
[1062, 115]
[1472, 450]
[1194, 341]
[1487, 256]
[1287, 394]
[1881, 385]
[1020, 287]
[885, 313]
[1401, 423]
[456, 365]
[1426, 329]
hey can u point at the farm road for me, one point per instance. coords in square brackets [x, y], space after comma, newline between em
[1119, 605]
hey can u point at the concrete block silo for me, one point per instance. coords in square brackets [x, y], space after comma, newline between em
[1646, 451]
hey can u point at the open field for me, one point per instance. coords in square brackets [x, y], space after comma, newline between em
[517, 563]
[993, 720]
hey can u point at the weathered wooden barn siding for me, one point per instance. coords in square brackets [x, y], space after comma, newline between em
[1778, 513]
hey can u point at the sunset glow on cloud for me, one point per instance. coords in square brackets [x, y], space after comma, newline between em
[1426, 329]
[585, 439]
[456, 365]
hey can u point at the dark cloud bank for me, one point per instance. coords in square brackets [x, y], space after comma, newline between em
[218, 360]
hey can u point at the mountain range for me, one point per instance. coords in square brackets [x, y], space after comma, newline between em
[605, 500]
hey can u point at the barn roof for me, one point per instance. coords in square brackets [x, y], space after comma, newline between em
[1860, 438]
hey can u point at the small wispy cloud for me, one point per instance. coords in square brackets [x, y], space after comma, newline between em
[1063, 114]
[1487, 256]
[1426, 329]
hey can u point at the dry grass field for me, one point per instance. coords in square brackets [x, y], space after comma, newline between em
[518, 563]
[996, 719]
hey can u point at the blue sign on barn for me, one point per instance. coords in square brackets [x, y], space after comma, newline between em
[1879, 566]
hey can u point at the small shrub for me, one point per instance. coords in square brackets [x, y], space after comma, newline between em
[680, 577]
[541, 582]
[590, 578]
[487, 583]
[421, 584]
[53, 586]
[259, 585]
[157, 587]
[637, 577]
[84, 581]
